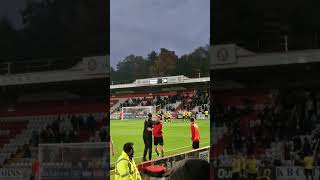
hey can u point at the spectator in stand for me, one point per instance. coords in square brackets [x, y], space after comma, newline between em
[81, 121]
[74, 122]
[63, 134]
[44, 135]
[309, 164]
[72, 135]
[27, 152]
[97, 137]
[103, 134]
[51, 135]
[252, 169]
[236, 167]
[56, 124]
[35, 138]
[306, 146]
[91, 122]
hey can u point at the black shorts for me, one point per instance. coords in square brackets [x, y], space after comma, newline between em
[235, 176]
[195, 145]
[252, 175]
[183, 117]
[158, 140]
[308, 172]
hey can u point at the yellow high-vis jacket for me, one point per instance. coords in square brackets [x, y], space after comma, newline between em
[126, 169]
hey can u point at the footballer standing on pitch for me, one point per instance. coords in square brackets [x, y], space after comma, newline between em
[158, 138]
[147, 137]
[195, 135]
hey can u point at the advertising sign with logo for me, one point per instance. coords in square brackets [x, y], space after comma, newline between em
[14, 174]
[73, 173]
[225, 173]
[293, 173]
[223, 54]
[204, 155]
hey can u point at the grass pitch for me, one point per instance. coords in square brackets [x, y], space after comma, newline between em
[176, 135]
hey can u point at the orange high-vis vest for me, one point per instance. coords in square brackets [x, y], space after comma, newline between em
[195, 132]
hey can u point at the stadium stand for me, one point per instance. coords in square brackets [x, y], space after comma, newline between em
[290, 118]
[274, 116]
[191, 100]
[54, 112]
[174, 94]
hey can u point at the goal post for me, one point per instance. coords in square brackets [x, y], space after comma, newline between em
[73, 160]
[138, 112]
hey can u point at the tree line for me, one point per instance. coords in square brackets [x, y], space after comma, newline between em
[164, 63]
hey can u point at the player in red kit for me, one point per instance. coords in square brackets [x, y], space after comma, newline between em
[195, 135]
[157, 134]
[121, 115]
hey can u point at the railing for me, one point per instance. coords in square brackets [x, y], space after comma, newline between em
[25, 66]
[169, 161]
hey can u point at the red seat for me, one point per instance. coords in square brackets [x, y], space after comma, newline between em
[155, 171]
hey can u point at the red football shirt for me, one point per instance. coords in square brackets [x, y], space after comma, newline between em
[195, 135]
[157, 130]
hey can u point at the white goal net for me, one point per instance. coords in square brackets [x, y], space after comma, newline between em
[137, 112]
[73, 161]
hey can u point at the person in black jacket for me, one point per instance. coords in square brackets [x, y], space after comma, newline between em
[147, 137]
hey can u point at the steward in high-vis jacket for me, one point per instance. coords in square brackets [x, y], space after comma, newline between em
[125, 168]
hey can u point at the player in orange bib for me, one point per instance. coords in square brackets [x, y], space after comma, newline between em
[35, 169]
[195, 135]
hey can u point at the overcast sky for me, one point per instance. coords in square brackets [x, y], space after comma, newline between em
[140, 26]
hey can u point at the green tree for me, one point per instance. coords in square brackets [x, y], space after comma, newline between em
[165, 64]
[131, 68]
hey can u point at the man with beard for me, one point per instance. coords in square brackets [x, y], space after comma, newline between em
[125, 167]
[147, 137]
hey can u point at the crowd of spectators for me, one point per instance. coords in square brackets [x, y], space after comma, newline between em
[200, 99]
[188, 102]
[137, 102]
[280, 133]
[57, 132]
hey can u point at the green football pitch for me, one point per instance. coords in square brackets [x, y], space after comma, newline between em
[176, 135]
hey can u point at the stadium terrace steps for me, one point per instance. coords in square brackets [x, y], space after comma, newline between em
[14, 128]
[24, 135]
[116, 103]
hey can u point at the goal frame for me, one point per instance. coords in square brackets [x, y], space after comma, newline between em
[75, 145]
[152, 109]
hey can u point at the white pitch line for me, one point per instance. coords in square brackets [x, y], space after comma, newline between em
[165, 151]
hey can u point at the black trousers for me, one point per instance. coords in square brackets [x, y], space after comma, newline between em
[235, 176]
[147, 146]
[195, 145]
